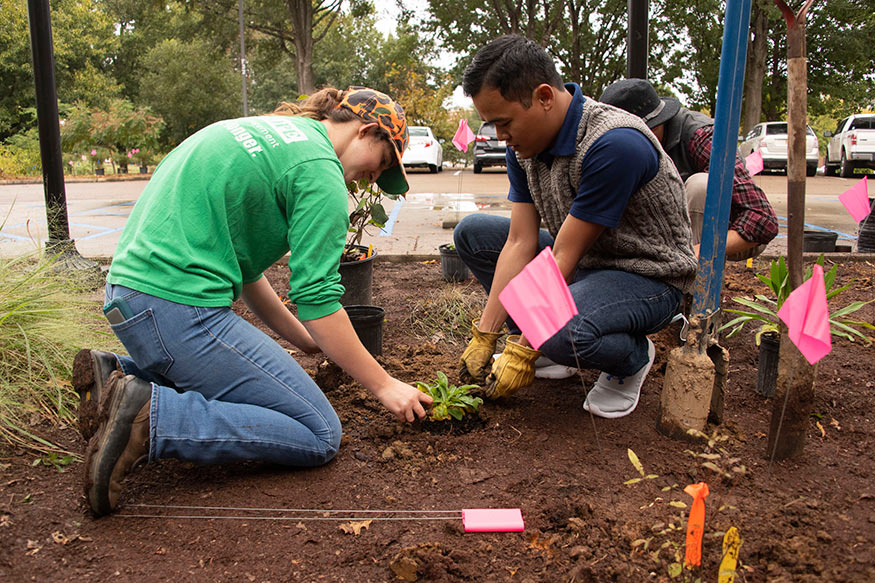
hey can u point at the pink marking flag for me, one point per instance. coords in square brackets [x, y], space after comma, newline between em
[856, 200]
[754, 163]
[538, 299]
[464, 136]
[807, 317]
[493, 520]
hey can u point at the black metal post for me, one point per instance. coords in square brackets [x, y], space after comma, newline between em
[59, 242]
[636, 40]
[47, 116]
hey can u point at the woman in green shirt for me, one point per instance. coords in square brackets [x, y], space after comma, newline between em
[201, 384]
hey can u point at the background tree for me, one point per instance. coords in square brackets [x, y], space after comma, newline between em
[190, 85]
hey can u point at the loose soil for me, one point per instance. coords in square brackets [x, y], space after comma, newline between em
[805, 520]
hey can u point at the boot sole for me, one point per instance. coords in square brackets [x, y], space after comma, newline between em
[105, 448]
[84, 382]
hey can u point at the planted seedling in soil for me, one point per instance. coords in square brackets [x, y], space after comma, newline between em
[451, 404]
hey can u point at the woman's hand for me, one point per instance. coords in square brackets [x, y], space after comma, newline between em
[404, 401]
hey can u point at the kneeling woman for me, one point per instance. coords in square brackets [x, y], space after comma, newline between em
[201, 384]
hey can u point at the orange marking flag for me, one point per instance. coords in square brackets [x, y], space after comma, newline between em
[696, 523]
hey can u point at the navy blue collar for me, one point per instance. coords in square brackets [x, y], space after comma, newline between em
[565, 143]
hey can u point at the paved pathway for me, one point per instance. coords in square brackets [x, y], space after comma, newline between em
[418, 224]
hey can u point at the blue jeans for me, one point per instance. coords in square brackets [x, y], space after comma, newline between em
[222, 390]
[616, 309]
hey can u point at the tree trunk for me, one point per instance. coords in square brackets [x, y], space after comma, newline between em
[795, 375]
[756, 69]
[789, 425]
[301, 15]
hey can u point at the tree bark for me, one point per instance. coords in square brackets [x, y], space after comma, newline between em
[756, 68]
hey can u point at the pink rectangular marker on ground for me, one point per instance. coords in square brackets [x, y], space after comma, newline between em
[493, 520]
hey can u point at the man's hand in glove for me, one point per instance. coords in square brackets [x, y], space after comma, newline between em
[513, 370]
[475, 361]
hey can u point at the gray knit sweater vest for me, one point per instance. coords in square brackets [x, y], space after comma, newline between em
[653, 237]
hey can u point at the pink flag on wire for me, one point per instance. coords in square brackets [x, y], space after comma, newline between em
[807, 317]
[754, 163]
[538, 299]
[464, 136]
[856, 200]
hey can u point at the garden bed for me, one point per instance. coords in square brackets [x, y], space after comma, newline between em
[809, 519]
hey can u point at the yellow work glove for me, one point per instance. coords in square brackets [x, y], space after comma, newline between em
[513, 370]
[475, 361]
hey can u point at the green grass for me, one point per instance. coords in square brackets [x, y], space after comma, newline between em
[46, 316]
[446, 315]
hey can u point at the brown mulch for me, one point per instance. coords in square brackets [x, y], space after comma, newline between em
[804, 520]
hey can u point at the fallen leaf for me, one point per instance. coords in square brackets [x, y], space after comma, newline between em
[835, 423]
[355, 527]
[822, 432]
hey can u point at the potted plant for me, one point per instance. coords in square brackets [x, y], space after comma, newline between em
[765, 313]
[356, 262]
[96, 157]
[142, 157]
[450, 402]
[452, 267]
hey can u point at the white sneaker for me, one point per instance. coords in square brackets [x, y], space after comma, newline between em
[547, 369]
[612, 396]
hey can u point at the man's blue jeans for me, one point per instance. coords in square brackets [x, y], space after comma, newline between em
[616, 309]
[222, 390]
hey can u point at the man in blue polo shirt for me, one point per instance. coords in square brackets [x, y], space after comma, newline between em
[615, 215]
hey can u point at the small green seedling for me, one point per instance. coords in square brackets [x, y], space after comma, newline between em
[54, 460]
[449, 400]
[633, 457]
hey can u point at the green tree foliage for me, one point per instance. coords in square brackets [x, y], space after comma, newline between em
[114, 131]
[84, 45]
[190, 85]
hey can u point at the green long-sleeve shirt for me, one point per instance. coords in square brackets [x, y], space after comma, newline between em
[230, 201]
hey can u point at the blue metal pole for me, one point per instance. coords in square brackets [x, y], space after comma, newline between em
[733, 55]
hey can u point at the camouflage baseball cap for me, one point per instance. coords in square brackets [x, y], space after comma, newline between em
[372, 106]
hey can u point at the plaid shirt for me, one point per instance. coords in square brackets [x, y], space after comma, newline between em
[750, 213]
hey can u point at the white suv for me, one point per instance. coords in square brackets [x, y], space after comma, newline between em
[770, 138]
[851, 146]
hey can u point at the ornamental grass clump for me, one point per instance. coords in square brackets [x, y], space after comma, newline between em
[46, 316]
[449, 400]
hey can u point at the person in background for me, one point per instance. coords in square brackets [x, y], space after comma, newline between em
[615, 215]
[201, 384]
[686, 136]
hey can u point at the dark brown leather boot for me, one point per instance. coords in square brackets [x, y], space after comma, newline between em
[91, 369]
[122, 439]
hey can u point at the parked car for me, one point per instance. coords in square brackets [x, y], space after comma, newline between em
[424, 151]
[488, 149]
[851, 146]
[770, 138]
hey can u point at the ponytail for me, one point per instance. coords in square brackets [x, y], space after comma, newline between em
[319, 106]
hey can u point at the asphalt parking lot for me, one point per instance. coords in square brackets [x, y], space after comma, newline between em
[418, 224]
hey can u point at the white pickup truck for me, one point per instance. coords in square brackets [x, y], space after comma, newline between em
[851, 146]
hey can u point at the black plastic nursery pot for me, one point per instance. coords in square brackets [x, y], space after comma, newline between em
[866, 231]
[767, 366]
[452, 267]
[819, 241]
[368, 324]
[357, 278]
